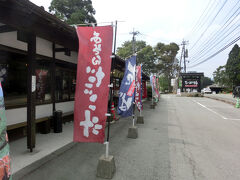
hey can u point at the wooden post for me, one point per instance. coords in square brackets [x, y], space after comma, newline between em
[31, 92]
[53, 79]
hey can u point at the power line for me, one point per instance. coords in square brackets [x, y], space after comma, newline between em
[219, 51]
[219, 32]
[223, 39]
[208, 46]
[199, 20]
[209, 25]
[216, 43]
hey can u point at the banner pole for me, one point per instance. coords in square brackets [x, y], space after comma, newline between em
[134, 98]
[115, 38]
[133, 118]
[107, 149]
[140, 110]
[111, 81]
[133, 49]
[152, 93]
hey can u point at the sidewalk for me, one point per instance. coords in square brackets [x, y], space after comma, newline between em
[48, 146]
[144, 158]
[227, 98]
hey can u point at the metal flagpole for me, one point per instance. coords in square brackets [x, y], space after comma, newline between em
[134, 33]
[141, 94]
[152, 89]
[111, 92]
[133, 114]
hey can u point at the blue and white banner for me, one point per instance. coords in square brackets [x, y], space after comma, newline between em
[126, 93]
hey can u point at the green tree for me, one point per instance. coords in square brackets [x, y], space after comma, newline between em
[163, 83]
[166, 59]
[127, 50]
[73, 11]
[206, 81]
[161, 59]
[233, 66]
[221, 78]
[146, 57]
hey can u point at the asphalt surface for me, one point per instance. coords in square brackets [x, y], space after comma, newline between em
[183, 138]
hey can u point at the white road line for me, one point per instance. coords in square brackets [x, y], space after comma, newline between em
[233, 119]
[215, 112]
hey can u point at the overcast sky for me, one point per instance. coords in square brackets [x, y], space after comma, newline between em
[162, 21]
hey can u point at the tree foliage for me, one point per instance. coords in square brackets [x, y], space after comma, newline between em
[73, 11]
[206, 81]
[220, 77]
[166, 60]
[146, 57]
[163, 83]
[127, 49]
[160, 59]
[233, 66]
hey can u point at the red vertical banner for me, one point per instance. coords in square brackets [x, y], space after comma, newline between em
[138, 95]
[144, 89]
[157, 87]
[93, 78]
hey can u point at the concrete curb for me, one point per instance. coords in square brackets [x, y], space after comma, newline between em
[218, 99]
[35, 165]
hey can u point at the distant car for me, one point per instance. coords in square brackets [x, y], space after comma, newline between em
[206, 91]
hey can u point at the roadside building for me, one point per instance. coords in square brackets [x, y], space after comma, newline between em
[191, 81]
[38, 64]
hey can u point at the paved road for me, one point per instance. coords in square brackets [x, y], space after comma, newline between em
[182, 139]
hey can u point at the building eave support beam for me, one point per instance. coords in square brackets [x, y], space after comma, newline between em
[31, 92]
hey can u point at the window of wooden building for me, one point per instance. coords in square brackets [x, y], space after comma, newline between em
[13, 76]
[65, 83]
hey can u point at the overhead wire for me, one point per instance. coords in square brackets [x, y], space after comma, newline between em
[219, 42]
[199, 21]
[218, 37]
[202, 34]
[222, 49]
[213, 36]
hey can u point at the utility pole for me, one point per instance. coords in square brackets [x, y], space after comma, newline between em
[184, 54]
[134, 33]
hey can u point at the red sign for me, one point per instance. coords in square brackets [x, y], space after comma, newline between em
[93, 78]
[193, 85]
[138, 98]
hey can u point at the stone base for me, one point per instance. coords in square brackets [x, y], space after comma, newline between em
[140, 120]
[152, 106]
[133, 132]
[106, 167]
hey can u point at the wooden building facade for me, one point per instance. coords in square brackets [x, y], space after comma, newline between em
[38, 64]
